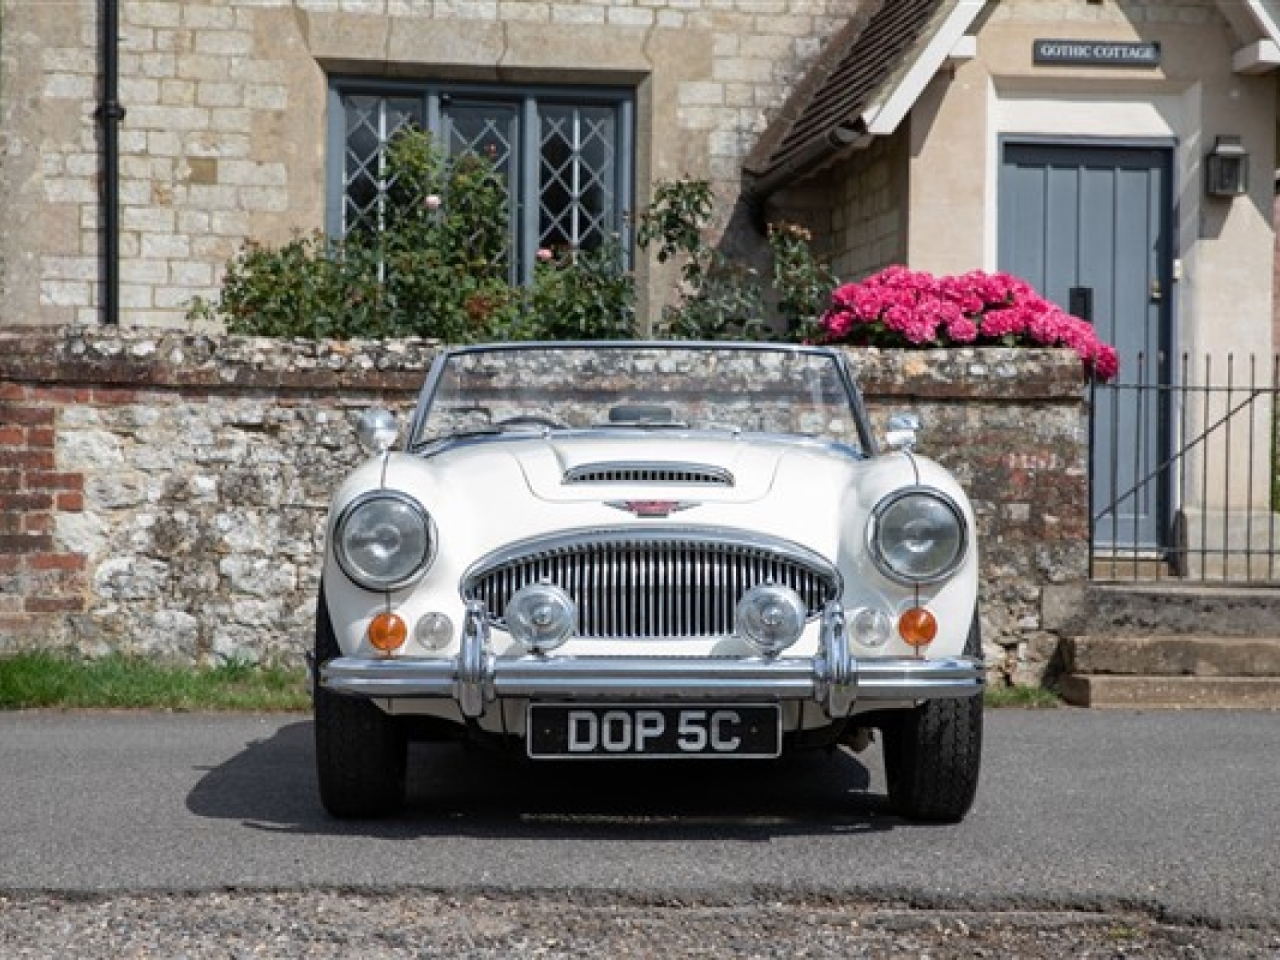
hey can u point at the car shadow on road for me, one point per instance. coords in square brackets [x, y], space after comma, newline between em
[458, 790]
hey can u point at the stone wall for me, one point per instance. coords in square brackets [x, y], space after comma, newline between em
[164, 493]
[868, 228]
[1012, 426]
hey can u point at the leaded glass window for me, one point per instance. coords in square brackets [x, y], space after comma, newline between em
[564, 156]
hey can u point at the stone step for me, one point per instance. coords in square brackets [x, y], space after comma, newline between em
[1224, 693]
[1167, 608]
[1173, 656]
[1139, 570]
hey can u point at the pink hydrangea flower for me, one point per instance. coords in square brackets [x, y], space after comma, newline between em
[962, 330]
[903, 307]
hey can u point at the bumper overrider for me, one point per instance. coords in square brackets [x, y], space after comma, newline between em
[834, 678]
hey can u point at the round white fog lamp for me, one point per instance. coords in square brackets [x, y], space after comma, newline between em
[541, 616]
[870, 628]
[434, 631]
[771, 618]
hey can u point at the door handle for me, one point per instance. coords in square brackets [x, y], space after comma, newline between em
[1080, 303]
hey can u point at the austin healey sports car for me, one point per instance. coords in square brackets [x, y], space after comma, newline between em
[623, 551]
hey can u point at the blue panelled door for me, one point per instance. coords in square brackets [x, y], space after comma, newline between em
[1090, 227]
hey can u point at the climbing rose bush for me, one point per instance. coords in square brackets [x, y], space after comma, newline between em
[899, 307]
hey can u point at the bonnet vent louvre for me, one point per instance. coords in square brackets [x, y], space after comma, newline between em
[676, 474]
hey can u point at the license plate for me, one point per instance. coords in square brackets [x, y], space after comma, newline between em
[593, 731]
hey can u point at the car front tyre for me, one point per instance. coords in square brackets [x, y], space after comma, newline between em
[933, 754]
[361, 753]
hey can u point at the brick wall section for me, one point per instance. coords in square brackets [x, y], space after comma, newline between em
[164, 494]
[167, 493]
[36, 576]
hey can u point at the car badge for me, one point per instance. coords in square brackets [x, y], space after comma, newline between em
[652, 508]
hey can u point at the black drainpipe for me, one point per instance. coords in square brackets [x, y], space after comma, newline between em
[110, 114]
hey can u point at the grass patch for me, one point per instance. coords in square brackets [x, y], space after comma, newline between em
[1026, 697]
[116, 682]
[129, 683]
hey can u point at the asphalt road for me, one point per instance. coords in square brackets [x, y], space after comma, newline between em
[1175, 813]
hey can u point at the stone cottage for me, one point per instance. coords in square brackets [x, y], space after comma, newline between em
[168, 132]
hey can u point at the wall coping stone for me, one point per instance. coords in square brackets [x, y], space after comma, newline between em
[143, 357]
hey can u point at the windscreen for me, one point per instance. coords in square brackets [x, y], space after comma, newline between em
[663, 386]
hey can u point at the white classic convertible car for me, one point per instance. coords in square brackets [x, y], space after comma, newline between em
[602, 551]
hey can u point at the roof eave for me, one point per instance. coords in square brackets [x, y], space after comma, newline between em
[883, 117]
[843, 138]
[1258, 23]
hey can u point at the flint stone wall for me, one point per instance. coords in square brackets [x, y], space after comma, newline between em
[164, 494]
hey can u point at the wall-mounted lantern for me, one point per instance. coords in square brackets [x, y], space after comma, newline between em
[1227, 168]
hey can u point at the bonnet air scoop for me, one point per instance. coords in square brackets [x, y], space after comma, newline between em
[681, 474]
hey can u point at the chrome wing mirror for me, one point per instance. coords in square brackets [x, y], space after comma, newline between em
[377, 430]
[903, 432]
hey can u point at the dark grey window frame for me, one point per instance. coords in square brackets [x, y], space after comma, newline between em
[526, 101]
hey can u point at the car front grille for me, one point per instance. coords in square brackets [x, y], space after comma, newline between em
[657, 583]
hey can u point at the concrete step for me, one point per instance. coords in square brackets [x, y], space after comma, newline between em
[1173, 656]
[1235, 693]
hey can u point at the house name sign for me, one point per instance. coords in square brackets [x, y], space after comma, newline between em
[1096, 53]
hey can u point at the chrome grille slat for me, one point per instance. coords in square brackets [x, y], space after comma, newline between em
[679, 582]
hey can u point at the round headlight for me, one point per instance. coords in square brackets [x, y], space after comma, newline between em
[917, 536]
[383, 540]
[541, 616]
[771, 618]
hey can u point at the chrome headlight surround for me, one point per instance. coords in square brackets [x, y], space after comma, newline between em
[917, 535]
[393, 523]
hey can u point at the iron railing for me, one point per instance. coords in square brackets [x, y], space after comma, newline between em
[1183, 472]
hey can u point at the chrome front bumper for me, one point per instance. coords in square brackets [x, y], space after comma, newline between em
[833, 678]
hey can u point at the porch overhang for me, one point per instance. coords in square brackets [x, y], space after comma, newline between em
[862, 86]
[873, 72]
[1258, 24]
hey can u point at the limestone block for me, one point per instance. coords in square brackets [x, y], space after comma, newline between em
[82, 533]
[87, 449]
[260, 576]
[131, 578]
[257, 612]
[172, 632]
[237, 644]
[118, 488]
[239, 532]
